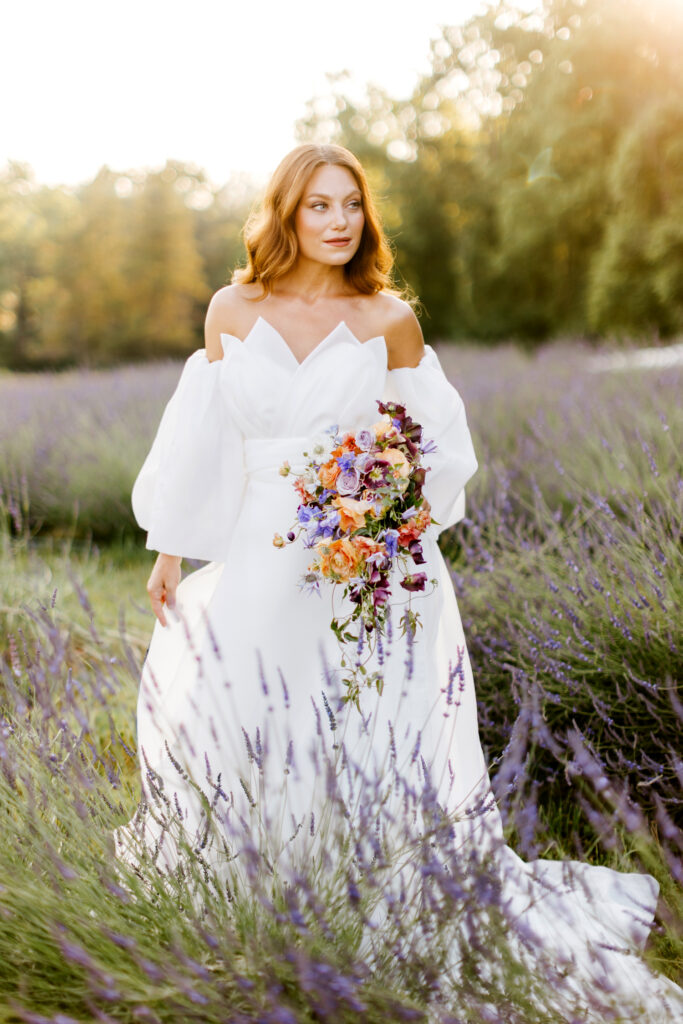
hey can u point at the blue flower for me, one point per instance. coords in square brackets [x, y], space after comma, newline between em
[346, 461]
[391, 542]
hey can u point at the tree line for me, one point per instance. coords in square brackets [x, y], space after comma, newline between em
[532, 185]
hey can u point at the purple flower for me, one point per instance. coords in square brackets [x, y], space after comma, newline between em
[329, 523]
[390, 539]
[365, 439]
[381, 593]
[409, 513]
[415, 549]
[414, 581]
[346, 461]
[364, 462]
[348, 482]
[303, 514]
[309, 583]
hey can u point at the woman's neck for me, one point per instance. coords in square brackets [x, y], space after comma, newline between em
[309, 281]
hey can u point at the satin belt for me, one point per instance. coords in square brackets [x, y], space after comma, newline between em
[263, 457]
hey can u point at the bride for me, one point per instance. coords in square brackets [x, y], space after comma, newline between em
[248, 754]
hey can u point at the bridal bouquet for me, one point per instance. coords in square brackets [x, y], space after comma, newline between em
[362, 512]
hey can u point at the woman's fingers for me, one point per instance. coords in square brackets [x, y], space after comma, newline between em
[162, 585]
[157, 596]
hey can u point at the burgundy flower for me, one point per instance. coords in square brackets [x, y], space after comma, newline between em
[415, 550]
[414, 581]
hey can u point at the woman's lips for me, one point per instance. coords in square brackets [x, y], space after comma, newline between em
[339, 242]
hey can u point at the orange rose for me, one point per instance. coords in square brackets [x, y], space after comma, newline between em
[411, 530]
[349, 444]
[328, 473]
[366, 547]
[407, 534]
[380, 429]
[395, 458]
[351, 512]
[338, 559]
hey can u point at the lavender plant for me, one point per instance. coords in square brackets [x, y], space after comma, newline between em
[388, 920]
[566, 573]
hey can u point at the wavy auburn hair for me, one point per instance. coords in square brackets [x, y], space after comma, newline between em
[269, 233]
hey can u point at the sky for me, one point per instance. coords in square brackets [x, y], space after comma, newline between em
[216, 83]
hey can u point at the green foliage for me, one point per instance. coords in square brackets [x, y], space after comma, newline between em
[638, 273]
[531, 185]
[120, 269]
[510, 172]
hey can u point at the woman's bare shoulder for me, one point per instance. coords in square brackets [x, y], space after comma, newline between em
[401, 330]
[230, 311]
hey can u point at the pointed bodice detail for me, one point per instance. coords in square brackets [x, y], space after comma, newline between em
[272, 394]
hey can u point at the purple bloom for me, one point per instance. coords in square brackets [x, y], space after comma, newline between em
[346, 461]
[365, 439]
[409, 513]
[348, 482]
[303, 514]
[329, 523]
[309, 583]
[414, 581]
[415, 549]
[390, 539]
[364, 462]
[381, 593]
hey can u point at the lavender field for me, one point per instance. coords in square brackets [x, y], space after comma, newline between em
[567, 571]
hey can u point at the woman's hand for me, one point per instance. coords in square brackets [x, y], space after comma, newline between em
[163, 583]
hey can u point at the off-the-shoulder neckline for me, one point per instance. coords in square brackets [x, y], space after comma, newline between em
[320, 344]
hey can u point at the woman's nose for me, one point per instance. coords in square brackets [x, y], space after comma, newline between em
[339, 216]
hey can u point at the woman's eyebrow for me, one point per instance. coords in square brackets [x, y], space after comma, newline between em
[321, 195]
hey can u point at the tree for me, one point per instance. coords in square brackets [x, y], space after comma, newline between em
[637, 277]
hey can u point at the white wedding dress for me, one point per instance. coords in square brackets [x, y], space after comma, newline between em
[231, 698]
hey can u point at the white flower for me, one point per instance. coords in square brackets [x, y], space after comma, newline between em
[310, 481]
[323, 446]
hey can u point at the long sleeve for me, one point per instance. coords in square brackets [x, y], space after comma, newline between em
[432, 401]
[188, 492]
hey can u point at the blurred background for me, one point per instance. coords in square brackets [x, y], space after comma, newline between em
[528, 158]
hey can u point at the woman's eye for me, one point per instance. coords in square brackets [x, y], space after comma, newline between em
[317, 205]
[355, 203]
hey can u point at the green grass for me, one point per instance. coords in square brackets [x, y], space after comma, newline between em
[579, 482]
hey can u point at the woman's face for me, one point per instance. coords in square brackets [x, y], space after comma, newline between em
[329, 218]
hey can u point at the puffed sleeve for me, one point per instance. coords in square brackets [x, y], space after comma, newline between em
[189, 491]
[432, 401]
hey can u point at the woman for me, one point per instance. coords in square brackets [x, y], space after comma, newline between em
[242, 733]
